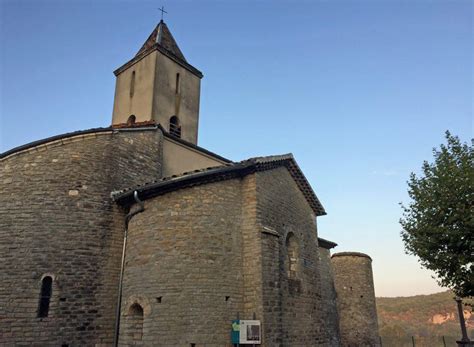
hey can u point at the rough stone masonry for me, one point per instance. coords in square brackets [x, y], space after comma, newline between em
[216, 241]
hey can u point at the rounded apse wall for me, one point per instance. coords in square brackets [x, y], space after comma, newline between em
[183, 266]
[57, 221]
[353, 280]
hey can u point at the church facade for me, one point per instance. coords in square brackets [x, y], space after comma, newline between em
[134, 235]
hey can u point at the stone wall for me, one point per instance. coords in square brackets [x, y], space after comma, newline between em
[199, 257]
[154, 96]
[354, 284]
[329, 297]
[179, 158]
[57, 219]
[251, 252]
[184, 265]
[139, 102]
[294, 313]
[184, 104]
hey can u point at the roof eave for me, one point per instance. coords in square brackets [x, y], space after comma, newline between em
[219, 174]
[326, 243]
[162, 187]
[53, 138]
[157, 47]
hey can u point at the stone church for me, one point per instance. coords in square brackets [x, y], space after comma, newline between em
[132, 234]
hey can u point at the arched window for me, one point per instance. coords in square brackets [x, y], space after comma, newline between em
[45, 296]
[135, 323]
[292, 257]
[131, 120]
[175, 127]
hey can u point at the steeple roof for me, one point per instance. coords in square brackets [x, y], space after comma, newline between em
[161, 40]
[162, 37]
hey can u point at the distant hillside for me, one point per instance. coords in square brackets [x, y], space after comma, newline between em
[422, 315]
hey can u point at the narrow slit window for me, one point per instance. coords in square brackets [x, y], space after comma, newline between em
[132, 84]
[292, 248]
[177, 84]
[45, 296]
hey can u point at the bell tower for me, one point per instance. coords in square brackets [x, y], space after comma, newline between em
[159, 85]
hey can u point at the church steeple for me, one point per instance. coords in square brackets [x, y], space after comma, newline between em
[162, 36]
[159, 85]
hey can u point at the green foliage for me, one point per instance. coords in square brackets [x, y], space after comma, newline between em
[438, 224]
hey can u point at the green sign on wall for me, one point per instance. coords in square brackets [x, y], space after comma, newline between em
[245, 332]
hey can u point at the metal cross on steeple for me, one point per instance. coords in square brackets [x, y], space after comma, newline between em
[162, 9]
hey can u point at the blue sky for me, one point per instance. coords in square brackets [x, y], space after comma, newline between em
[358, 91]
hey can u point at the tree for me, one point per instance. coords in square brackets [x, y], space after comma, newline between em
[438, 223]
